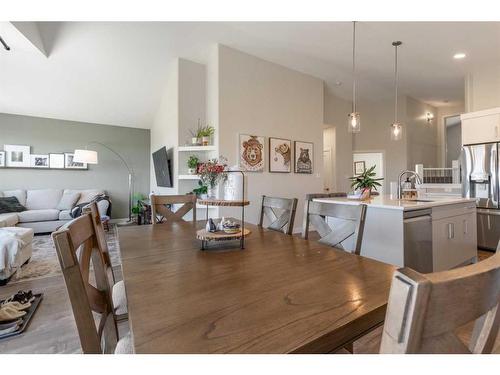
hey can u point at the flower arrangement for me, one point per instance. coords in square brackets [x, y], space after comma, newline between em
[212, 172]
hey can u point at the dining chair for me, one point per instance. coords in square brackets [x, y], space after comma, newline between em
[159, 207]
[280, 212]
[424, 311]
[312, 196]
[347, 224]
[77, 246]
[118, 288]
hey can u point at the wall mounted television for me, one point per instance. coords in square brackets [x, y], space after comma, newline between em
[162, 161]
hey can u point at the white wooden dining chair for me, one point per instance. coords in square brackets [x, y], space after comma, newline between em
[425, 311]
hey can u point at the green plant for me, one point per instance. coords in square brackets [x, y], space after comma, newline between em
[365, 180]
[196, 133]
[136, 197]
[206, 131]
[193, 162]
[202, 189]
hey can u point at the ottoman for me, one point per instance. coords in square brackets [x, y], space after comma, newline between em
[23, 254]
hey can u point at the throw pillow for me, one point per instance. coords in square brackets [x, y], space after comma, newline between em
[68, 200]
[10, 204]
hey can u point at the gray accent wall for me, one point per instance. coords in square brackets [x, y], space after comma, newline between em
[57, 136]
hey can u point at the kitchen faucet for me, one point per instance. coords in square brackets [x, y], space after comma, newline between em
[418, 180]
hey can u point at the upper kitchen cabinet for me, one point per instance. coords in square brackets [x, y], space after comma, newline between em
[481, 126]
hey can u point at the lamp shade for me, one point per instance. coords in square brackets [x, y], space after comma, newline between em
[85, 156]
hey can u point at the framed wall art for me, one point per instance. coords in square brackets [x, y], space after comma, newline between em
[56, 161]
[70, 164]
[39, 161]
[280, 155]
[2, 159]
[251, 153]
[17, 156]
[304, 157]
[359, 167]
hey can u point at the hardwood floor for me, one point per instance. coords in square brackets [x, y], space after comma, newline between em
[53, 329]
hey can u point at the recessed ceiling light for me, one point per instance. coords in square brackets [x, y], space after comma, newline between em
[459, 56]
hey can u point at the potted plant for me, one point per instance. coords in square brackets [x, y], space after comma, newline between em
[211, 173]
[136, 208]
[365, 182]
[205, 133]
[192, 164]
[201, 190]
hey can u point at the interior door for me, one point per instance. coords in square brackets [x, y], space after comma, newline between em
[328, 170]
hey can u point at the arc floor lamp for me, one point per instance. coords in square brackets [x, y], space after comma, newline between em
[91, 157]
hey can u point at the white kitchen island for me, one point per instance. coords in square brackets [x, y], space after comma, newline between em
[426, 235]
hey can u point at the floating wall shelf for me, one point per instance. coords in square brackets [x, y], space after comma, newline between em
[196, 148]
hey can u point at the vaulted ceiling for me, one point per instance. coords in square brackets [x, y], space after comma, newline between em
[114, 72]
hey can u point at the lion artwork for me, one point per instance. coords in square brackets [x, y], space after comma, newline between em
[284, 150]
[304, 164]
[252, 154]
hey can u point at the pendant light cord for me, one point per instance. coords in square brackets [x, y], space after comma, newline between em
[354, 66]
[396, 45]
[396, 84]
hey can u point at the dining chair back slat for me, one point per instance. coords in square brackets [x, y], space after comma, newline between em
[160, 211]
[280, 212]
[346, 228]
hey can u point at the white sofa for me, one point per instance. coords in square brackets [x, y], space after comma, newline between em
[46, 208]
[22, 256]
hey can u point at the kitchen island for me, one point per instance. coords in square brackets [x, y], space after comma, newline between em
[426, 235]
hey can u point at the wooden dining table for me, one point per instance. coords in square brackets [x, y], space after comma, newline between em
[281, 294]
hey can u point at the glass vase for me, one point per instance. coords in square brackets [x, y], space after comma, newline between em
[212, 192]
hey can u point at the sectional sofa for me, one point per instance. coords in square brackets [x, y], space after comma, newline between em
[47, 209]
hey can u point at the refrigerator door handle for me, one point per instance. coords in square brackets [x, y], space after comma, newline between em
[494, 175]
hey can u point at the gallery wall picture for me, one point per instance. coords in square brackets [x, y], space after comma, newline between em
[70, 164]
[359, 167]
[2, 159]
[280, 155]
[304, 157]
[39, 161]
[251, 153]
[17, 156]
[56, 161]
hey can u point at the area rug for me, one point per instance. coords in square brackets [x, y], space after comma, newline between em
[44, 262]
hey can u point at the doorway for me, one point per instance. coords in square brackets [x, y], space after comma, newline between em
[329, 159]
[368, 160]
[453, 137]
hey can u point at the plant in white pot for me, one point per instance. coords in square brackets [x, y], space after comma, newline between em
[365, 182]
[205, 133]
[192, 164]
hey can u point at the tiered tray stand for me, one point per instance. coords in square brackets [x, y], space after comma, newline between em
[205, 236]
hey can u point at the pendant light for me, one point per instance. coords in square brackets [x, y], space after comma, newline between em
[353, 122]
[396, 126]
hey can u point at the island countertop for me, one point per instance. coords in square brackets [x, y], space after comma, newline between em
[385, 201]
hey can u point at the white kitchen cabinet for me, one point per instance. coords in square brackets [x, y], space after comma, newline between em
[481, 127]
[454, 237]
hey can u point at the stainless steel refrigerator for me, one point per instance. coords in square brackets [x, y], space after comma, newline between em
[480, 180]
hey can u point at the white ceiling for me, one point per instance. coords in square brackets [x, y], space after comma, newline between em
[114, 72]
